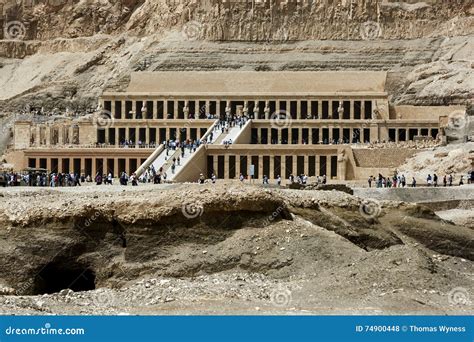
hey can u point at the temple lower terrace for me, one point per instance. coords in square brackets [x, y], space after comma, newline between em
[337, 124]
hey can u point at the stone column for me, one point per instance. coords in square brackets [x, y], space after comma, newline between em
[94, 168]
[278, 136]
[269, 135]
[127, 134]
[290, 136]
[82, 165]
[147, 136]
[259, 135]
[300, 135]
[60, 165]
[317, 165]
[310, 135]
[351, 111]
[374, 133]
[320, 109]
[362, 110]
[127, 166]
[298, 110]
[306, 164]
[112, 109]
[176, 107]
[215, 165]
[155, 110]
[283, 167]
[396, 135]
[294, 160]
[237, 166]
[117, 138]
[330, 128]
[272, 167]
[134, 109]
[260, 167]
[123, 114]
[165, 109]
[207, 109]
[310, 108]
[107, 136]
[328, 167]
[48, 164]
[226, 166]
[116, 168]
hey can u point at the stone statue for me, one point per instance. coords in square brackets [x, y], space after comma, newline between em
[228, 109]
[186, 110]
[340, 110]
[255, 111]
[267, 110]
[144, 111]
[342, 165]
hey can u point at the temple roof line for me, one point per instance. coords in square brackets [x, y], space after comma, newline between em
[232, 83]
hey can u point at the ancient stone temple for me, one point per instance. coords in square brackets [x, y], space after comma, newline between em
[313, 123]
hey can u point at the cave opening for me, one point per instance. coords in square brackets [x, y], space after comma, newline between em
[56, 276]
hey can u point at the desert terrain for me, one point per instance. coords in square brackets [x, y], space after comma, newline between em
[231, 248]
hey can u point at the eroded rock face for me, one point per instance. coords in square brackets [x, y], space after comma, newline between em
[50, 238]
[90, 46]
[216, 20]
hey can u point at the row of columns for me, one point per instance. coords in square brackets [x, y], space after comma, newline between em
[313, 107]
[181, 133]
[282, 170]
[129, 165]
[362, 137]
[432, 132]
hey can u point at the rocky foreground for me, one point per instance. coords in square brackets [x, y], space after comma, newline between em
[227, 249]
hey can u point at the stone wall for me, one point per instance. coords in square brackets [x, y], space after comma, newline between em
[381, 158]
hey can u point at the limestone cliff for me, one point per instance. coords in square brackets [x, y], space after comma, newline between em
[63, 53]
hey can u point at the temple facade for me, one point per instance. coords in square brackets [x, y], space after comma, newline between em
[313, 123]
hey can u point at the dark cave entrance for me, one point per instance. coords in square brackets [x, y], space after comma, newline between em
[55, 277]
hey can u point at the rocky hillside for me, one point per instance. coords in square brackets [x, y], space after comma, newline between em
[63, 53]
[227, 247]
